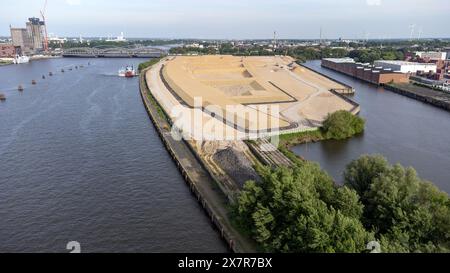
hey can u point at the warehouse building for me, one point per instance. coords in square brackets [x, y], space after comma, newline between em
[406, 67]
[373, 74]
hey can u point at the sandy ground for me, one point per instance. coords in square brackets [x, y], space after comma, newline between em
[299, 97]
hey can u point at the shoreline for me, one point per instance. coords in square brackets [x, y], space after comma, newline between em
[32, 59]
[202, 185]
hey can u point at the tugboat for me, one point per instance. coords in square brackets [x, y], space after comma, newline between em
[127, 72]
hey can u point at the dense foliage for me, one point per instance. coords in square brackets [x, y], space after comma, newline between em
[147, 64]
[410, 214]
[302, 210]
[342, 124]
[373, 54]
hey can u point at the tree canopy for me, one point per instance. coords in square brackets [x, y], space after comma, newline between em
[300, 209]
[409, 214]
[342, 124]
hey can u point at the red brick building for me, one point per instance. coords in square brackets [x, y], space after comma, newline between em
[365, 72]
[7, 51]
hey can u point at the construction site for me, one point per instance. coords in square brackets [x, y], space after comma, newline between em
[235, 98]
[217, 103]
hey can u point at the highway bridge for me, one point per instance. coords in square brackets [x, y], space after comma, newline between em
[114, 52]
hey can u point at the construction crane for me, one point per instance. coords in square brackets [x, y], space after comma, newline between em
[45, 26]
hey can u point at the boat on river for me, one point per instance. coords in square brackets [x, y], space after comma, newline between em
[128, 72]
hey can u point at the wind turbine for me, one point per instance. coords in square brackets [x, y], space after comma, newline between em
[45, 26]
[412, 27]
[419, 36]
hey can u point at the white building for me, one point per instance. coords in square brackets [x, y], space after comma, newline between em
[195, 45]
[406, 67]
[120, 38]
[340, 60]
[432, 55]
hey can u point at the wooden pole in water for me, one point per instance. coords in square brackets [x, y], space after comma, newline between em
[2, 97]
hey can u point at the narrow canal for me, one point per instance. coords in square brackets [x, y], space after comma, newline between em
[81, 161]
[403, 130]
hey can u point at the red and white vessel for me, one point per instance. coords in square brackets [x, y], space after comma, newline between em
[127, 72]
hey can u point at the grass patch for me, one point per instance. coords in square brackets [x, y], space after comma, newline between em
[158, 108]
[289, 140]
[151, 98]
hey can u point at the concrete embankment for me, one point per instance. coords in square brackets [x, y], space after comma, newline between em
[198, 179]
[437, 98]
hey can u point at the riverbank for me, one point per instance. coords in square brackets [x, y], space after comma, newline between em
[43, 57]
[3, 63]
[202, 185]
[290, 140]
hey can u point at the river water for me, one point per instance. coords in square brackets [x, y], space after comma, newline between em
[81, 161]
[403, 130]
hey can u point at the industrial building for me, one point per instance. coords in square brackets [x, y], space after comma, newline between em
[442, 62]
[375, 74]
[21, 39]
[35, 28]
[406, 67]
[30, 39]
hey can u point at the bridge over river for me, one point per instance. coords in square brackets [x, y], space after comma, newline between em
[114, 52]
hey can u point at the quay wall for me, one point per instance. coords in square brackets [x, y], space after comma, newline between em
[441, 103]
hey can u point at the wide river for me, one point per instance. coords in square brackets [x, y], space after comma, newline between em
[81, 161]
[403, 130]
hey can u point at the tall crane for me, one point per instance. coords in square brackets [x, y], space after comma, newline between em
[45, 26]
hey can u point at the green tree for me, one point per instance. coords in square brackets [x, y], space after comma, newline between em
[301, 210]
[407, 213]
[360, 173]
[342, 124]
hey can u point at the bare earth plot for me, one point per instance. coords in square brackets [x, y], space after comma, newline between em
[268, 95]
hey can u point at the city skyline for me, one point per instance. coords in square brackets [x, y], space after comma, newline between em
[367, 19]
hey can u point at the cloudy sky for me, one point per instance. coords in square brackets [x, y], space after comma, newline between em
[235, 18]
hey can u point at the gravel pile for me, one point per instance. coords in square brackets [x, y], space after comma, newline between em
[236, 165]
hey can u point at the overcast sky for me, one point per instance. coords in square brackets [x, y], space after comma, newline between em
[235, 19]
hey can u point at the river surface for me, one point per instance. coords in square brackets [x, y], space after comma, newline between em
[403, 130]
[81, 161]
